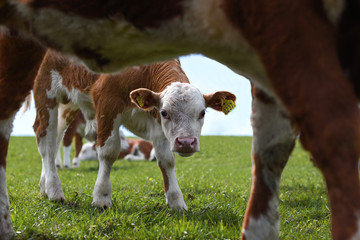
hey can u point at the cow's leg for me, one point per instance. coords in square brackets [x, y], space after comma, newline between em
[66, 116]
[306, 75]
[166, 162]
[321, 100]
[15, 85]
[67, 156]
[273, 141]
[58, 162]
[6, 229]
[108, 151]
[46, 134]
[67, 142]
[78, 146]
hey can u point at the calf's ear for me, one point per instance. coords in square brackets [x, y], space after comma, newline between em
[145, 99]
[220, 101]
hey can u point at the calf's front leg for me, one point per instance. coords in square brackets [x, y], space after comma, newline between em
[107, 154]
[166, 162]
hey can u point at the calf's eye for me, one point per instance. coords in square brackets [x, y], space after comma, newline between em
[164, 114]
[202, 114]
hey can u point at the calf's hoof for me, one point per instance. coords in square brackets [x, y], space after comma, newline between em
[176, 201]
[56, 196]
[102, 202]
[53, 190]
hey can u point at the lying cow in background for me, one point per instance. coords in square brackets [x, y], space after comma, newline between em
[137, 150]
[88, 150]
[140, 150]
[163, 108]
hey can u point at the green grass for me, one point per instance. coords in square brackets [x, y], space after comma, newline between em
[215, 182]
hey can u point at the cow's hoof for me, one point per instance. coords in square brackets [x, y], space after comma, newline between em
[7, 235]
[75, 165]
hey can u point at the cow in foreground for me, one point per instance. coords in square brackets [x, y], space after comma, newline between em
[295, 52]
[155, 102]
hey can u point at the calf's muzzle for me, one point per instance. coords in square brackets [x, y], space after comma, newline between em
[186, 146]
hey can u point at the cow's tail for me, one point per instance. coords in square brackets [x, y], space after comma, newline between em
[26, 104]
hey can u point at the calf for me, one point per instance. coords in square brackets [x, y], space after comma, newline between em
[137, 150]
[162, 108]
[296, 54]
[77, 130]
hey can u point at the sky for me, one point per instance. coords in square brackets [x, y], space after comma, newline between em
[207, 75]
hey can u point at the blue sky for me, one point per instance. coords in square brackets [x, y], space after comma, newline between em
[209, 76]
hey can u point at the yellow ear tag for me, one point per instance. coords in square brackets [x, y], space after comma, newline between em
[140, 100]
[227, 106]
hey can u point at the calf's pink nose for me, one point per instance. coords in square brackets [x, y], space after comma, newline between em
[186, 142]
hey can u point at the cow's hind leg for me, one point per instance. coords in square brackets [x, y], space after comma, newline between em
[6, 229]
[66, 116]
[70, 133]
[15, 85]
[166, 162]
[46, 134]
[273, 141]
[78, 147]
[307, 77]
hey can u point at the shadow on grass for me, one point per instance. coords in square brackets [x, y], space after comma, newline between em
[96, 168]
[156, 211]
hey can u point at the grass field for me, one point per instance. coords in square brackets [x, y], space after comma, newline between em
[215, 182]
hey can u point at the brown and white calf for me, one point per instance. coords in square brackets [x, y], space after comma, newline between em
[162, 108]
[296, 54]
[77, 130]
[137, 150]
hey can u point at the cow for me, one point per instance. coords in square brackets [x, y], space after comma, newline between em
[156, 102]
[138, 150]
[301, 57]
[77, 129]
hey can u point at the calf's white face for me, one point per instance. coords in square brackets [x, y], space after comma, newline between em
[182, 110]
[88, 152]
